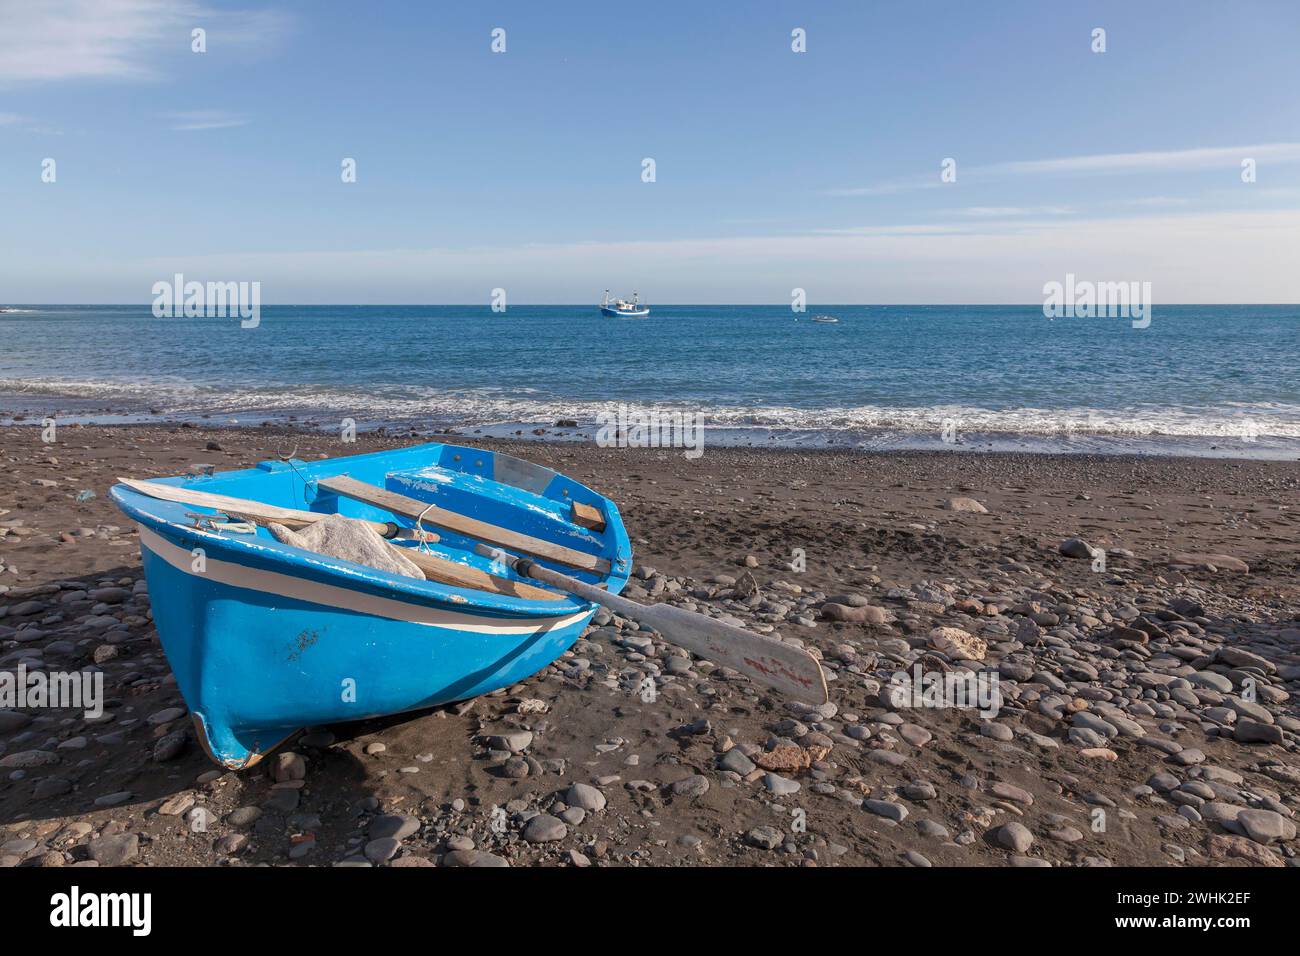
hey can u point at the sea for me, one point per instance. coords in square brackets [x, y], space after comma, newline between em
[1213, 380]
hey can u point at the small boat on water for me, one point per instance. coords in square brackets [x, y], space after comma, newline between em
[623, 308]
[266, 638]
[826, 319]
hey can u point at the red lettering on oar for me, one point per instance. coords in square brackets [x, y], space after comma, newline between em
[778, 668]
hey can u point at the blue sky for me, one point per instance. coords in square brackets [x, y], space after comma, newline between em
[774, 169]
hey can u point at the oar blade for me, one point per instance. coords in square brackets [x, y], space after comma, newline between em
[785, 668]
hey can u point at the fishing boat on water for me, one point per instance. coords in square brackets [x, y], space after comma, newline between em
[825, 319]
[474, 570]
[623, 308]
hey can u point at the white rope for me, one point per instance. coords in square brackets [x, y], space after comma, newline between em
[423, 541]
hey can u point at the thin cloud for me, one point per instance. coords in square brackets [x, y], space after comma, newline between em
[1156, 161]
[886, 189]
[1143, 202]
[115, 39]
[1010, 211]
[1178, 160]
[206, 119]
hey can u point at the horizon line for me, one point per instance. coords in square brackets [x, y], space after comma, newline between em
[480, 305]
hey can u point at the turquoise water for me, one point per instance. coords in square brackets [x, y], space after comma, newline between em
[1212, 379]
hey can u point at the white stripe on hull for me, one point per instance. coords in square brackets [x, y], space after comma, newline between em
[329, 595]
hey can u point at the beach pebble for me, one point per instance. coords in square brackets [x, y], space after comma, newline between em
[397, 826]
[288, 766]
[780, 786]
[243, 816]
[1015, 837]
[545, 828]
[169, 746]
[1266, 826]
[884, 808]
[693, 786]
[1076, 548]
[514, 741]
[382, 849]
[585, 796]
[765, 837]
[115, 850]
[735, 761]
[473, 858]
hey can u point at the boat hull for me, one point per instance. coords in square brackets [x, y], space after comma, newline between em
[265, 638]
[256, 664]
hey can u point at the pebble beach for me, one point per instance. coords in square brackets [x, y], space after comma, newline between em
[1141, 617]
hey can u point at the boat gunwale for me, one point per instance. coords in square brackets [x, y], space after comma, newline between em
[168, 519]
[270, 555]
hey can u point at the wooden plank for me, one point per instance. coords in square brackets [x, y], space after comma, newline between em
[585, 516]
[462, 524]
[246, 508]
[463, 576]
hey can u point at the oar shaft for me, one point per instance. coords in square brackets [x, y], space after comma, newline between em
[789, 669]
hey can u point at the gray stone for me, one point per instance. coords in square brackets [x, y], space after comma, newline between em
[736, 762]
[765, 838]
[12, 720]
[780, 786]
[585, 796]
[165, 716]
[382, 849]
[115, 850]
[934, 829]
[1015, 837]
[514, 741]
[288, 766]
[24, 759]
[1266, 826]
[474, 858]
[545, 828]
[243, 816]
[693, 786]
[169, 746]
[884, 808]
[1252, 731]
[397, 826]
[996, 731]
[1076, 548]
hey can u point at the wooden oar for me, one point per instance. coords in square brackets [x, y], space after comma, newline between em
[414, 509]
[464, 576]
[783, 667]
[435, 568]
[254, 510]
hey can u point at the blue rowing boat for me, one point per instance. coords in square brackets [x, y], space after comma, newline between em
[266, 638]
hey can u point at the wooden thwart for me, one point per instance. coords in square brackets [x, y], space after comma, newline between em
[585, 516]
[427, 513]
